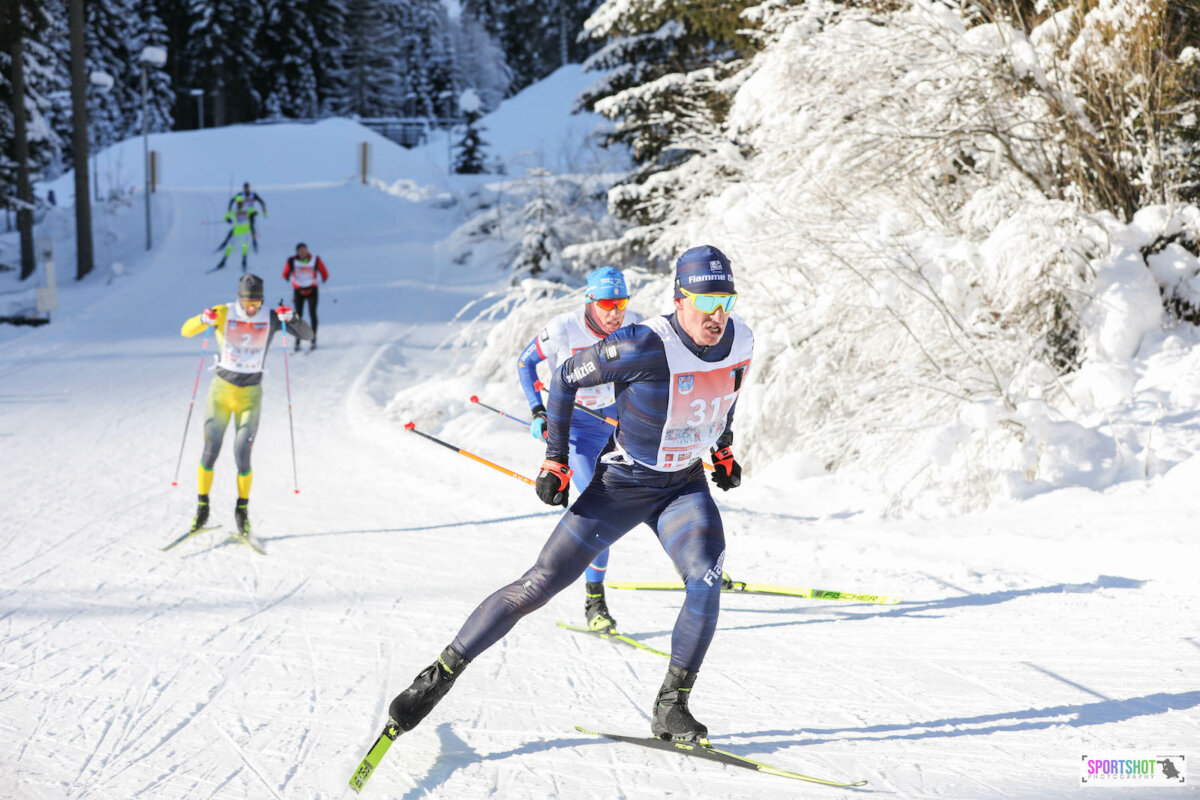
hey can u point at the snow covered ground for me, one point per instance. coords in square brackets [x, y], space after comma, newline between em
[1030, 635]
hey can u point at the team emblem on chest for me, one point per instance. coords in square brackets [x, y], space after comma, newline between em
[685, 383]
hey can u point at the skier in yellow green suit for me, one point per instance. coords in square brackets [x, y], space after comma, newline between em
[241, 218]
[244, 333]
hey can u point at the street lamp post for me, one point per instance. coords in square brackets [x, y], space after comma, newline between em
[150, 57]
[103, 82]
[199, 95]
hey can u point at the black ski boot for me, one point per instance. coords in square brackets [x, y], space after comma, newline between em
[242, 517]
[430, 686]
[201, 513]
[672, 720]
[596, 610]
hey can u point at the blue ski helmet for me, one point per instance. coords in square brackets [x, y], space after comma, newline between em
[703, 270]
[604, 283]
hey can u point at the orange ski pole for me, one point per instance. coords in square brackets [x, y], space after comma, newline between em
[412, 426]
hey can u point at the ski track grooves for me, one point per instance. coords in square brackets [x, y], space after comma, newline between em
[246, 760]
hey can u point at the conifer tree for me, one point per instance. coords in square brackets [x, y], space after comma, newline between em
[468, 152]
[372, 75]
[222, 58]
[150, 31]
[30, 71]
[288, 85]
[663, 67]
[537, 36]
[328, 20]
[480, 61]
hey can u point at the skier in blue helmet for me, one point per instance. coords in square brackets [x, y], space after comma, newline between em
[604, 311]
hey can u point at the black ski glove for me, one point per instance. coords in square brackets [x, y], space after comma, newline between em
[554, 481]
[726, 473]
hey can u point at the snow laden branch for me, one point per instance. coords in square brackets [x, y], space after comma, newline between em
[912, 253]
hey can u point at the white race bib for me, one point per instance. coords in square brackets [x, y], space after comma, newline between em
[245, 343]
[701, 394]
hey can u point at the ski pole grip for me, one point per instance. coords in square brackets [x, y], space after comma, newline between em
[539, 386]
[474, 398]
[410, 426]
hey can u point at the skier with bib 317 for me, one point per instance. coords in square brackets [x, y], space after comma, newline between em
[677, 380]
[566, 334]
[244, 333]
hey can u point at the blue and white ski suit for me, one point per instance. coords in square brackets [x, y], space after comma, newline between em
[564, 336]
[675, 402]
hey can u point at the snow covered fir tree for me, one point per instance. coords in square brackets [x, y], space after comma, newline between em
[965, 235]
[469, 150]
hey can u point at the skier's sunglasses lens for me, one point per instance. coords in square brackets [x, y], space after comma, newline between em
[610, 303]
[708, 303]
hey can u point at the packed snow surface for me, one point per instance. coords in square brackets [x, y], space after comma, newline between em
[1030, 634]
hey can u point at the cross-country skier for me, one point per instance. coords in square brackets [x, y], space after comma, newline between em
[566, 334]
[677, 379]
[303, 269]
[249, 197]
[244, 333]
[240, 219]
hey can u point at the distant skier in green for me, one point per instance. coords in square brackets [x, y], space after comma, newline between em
[241, 221]
[249, 197]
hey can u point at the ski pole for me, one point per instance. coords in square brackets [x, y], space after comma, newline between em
[475, 399]
[412, 426]
[579, 406]
[191, 405]
[291, 427]
[542, 387]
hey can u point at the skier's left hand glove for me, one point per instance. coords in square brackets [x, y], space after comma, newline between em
[284, 313]
[537, 428]
[554, 481]
[727, 473]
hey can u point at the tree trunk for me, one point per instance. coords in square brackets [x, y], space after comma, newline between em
[564, 56]
[79, 142]
[21, 146]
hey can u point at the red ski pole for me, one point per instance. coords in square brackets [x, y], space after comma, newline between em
[287, 378]
[191, 405]
[518, 420]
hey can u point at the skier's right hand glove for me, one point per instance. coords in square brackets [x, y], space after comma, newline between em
[554, 481]
[284, 314]
[208, 316]
[727, 473]
[537, 428]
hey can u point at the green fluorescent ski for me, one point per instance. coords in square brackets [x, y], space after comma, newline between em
[615, 637]
[359, 779]
[706, 751]
[762, 588]
[190, 534]
[251, 542]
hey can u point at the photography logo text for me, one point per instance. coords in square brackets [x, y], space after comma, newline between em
[1134, 768]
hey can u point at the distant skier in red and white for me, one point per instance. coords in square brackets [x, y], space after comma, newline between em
[303, 270]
